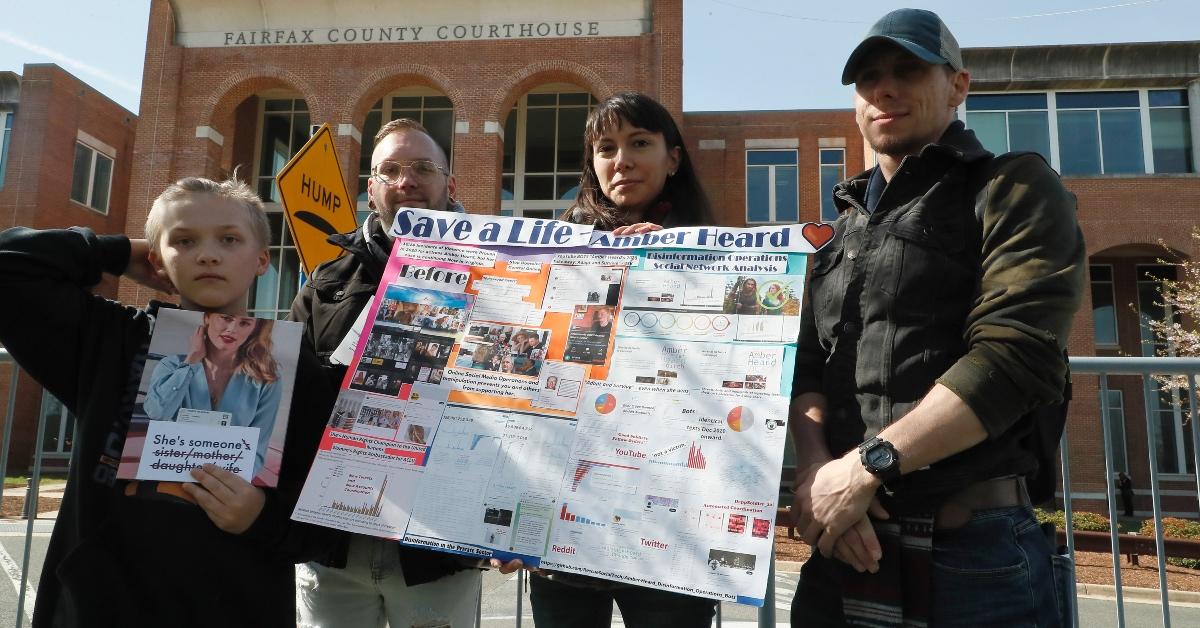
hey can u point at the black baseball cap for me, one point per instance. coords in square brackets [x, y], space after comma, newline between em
[918, 31]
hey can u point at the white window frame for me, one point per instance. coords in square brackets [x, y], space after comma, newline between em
[5, 140]
[1052, 110]
[1181, 458]
[1147, 139]
[517, 206]
[1118, 409]
[108, 153]
[286, 242]
[1112, 290]
[1051, 120]
[821, 165]
[387, 114]
[52, 408]
[258, 137]
[773, 219]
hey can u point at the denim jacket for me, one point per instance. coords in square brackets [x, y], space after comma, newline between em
[918, 292]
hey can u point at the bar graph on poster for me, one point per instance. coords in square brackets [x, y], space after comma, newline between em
[607, 406]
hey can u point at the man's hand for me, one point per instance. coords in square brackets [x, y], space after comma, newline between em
[229, 501]
[842, 492]
[143, 272]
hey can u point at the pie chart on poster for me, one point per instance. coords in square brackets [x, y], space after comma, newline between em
[740, 418]
[606, 403]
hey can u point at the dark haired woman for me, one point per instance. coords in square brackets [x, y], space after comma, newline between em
[637, 177]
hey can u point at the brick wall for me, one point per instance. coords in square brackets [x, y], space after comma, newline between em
[187, 88]
[723, 171]
[54, 106]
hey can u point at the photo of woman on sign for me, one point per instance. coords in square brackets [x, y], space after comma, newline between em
[229, 376]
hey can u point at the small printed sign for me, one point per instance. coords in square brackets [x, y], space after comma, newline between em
[173, 449]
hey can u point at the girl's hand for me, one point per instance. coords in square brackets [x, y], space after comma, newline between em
[637, 227]
[141, 271]
[197, 350]
[229, 501]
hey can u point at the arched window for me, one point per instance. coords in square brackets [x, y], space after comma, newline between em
[543, 151]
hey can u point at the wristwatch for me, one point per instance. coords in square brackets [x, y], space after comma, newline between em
[880, 459]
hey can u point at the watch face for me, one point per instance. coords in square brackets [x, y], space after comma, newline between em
[879, 457]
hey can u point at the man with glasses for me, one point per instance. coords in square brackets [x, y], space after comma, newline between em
[365, 580]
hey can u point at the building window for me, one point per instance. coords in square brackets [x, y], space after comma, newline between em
[284, 124]
[1170, 418]
[6, 124]
[1087, 133]
[1010, 122]
[434, 111]
[91, 177]
[1170, 130]
[59, 435]
[1104, 313]
[833, 171]
[772, 186]
[285, 128]
[1100, 133]
[1169, 409]
[1151, 306]
[1116, 428]
[273, 292]
[543, 151]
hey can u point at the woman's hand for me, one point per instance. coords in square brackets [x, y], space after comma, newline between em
[229, 501]
[511, 566]
[197, 350]
[637, 227]
[141, 271]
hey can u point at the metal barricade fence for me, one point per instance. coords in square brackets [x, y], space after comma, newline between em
[1100, 367]
[1146, 368]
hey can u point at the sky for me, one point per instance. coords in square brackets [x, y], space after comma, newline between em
[737, 54]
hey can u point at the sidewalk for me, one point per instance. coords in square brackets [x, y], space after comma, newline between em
[47, 489]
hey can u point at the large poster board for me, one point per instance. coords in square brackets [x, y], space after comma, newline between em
[615, 407]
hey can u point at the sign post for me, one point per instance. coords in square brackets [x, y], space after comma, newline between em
[315, 199]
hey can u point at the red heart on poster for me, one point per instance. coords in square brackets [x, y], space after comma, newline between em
[817, 234]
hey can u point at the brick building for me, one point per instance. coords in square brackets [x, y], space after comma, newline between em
[64, 160]
[1121, 122]
[505, 88]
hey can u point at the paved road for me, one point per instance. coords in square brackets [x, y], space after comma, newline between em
[499, 606]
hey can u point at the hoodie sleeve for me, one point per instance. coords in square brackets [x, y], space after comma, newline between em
[53, 322]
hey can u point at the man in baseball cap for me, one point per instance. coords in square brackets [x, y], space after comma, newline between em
[930, 352]
[922, 33]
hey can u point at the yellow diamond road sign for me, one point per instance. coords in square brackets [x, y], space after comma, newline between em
[315, 199]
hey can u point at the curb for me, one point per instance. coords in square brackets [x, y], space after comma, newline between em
[788, 566]
[1141, 594]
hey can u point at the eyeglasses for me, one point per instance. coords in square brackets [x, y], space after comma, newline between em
[423, 170]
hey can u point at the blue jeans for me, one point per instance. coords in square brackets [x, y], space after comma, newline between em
[996, 570]
[559, 605]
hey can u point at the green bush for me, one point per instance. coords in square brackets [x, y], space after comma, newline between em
[1080, 520]
[1174, 527]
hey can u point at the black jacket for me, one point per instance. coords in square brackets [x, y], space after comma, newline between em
[130, 561]
[918, 292]
[328, 305]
